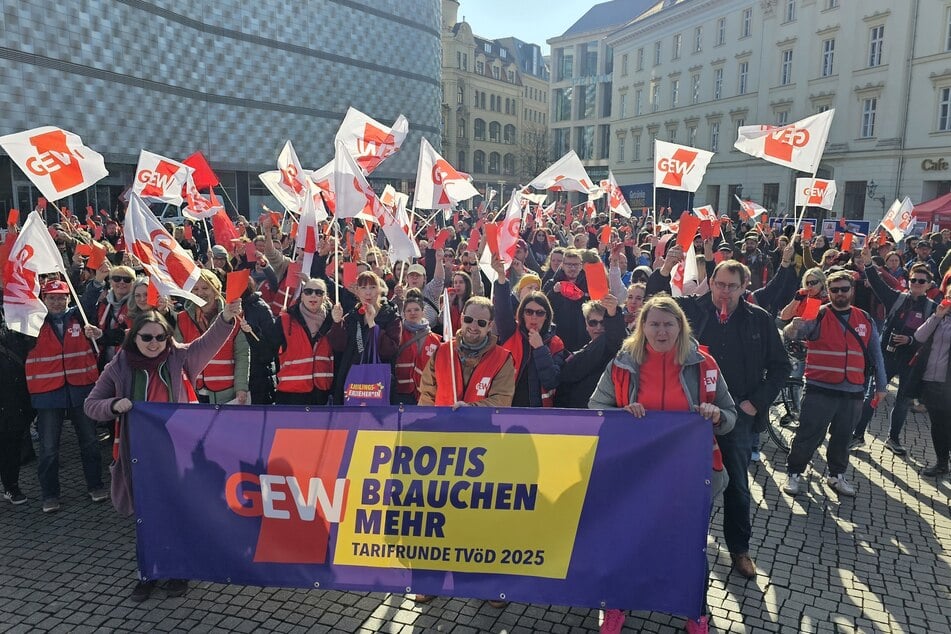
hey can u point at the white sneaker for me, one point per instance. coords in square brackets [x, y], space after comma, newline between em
[841, 485]
[793, 484]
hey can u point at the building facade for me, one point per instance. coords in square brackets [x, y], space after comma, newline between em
[495, 105]
[232, 79]
[693, 71]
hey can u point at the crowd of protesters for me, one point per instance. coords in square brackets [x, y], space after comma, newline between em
[527, 334]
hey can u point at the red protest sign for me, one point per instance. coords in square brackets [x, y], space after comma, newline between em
[84, 250]
[293, 274]
[250, 253]
[13, 218]
[492, 238]
[597, 279]
[349, 273]
[189, 232]
[236, 284]
[151, 294]
[806, 231]
[96, 257]
[689, 224]
[847, 242]
[441, 239]
[811, 307]
[605, 234]
[707, 230]
[474, 241]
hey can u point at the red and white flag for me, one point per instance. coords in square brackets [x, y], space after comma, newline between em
[616, 202]
[323, 179]
[272, 180]
[293, 180]
[353, 195]
[706, 213]
[685, 272]
[567, 174]
[160, 178]
[798, 145]
[197, 206]
[447, 333]
[678, 166]
[56, 161]
[749, 210]
[899, 219]
[170, 268]
[369, 141]
[396, 228]
[32, 254]
[312, 213]
[510, 227]
[815, 192]
[438, 184]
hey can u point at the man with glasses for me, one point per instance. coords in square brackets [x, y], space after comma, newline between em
[840, 357]
[905, 312]
[923, 256]
[745, 343]
[484, 371]
[566, 293]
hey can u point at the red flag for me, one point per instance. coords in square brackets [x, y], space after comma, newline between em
[492, 237]
[597, 280]
[236, 284]
[811, 308]
[349, 273]
[847, 242]
[806, 231]
[687, 229]
[293, 234]
[474, 240]
[13, 218]
[224, 229]
[441, 239]
[605, 234]
[204, 177]
[707, 230]
[359, 236]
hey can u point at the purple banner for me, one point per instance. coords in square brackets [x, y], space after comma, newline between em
[566, 507]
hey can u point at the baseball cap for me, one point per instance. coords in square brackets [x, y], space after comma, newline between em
[55, 287]
[419, 269]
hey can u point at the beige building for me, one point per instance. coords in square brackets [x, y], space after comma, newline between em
[494, 107]
[692, 71]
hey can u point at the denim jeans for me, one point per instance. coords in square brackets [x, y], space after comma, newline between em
[49, 425]
[736, 448]
[824, 411]
[895, 365]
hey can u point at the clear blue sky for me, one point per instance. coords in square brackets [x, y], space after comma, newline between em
[531, 21]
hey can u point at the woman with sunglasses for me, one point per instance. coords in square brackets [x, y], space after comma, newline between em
[151, 366]
[350, 335]
[110, 306]
[227, 376]
[417, 345]
[305, 359]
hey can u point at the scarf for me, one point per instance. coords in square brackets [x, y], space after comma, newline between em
[138, 361]
[471, 351]
[202, 319]
[314, 320]
[414, 328]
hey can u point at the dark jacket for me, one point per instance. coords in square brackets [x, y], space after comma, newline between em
[567, 312]
[582, 370]
[263, 347]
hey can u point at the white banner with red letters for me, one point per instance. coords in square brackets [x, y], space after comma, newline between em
[815, 192]
[369, 141]
[679, 167]
[438, 184]
[160, 178]
[33, 254]
[56, 161]
[799, 145]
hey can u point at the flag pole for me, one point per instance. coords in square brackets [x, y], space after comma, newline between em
[225, 192]
[337, 261]
[452, 364]
[79, 305]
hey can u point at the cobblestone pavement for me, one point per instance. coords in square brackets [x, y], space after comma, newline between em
[880, 562]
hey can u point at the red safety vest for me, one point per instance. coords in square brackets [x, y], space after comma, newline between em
[479, 383]
[709, 375]
[108, 319]
[836, 355]
[52, 364]
[218, 375]
[516, 347]
[303, 366]
[412, 360]
[275, 299]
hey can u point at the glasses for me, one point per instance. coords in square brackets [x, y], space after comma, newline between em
[319, 292]
[535, 312]
[148, 338]
[466, 319]
[723, 286]
[121, 278]
[919, 280]
[594, 323]
[813, 282]
[839, 289]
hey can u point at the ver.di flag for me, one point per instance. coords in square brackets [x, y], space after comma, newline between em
[353, 195]
[169, 266]
[160, 178]
[438, 184]
[616, 202]
[798, 145]
[815, 192]
[32, 254]
[899, 219]
[679, 167]
[567, 174]
[369, 141]
[56, 161]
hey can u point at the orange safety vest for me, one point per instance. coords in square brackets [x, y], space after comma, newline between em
[479, 383]
[709, 375]
[303, 366]
[516, 348]
[836, 355]
[52, 364]
[218, 375]
[412, 360]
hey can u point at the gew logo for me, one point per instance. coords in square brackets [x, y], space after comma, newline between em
[298, 497]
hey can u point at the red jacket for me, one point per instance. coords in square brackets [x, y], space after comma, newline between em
[479, 383]
[51, 364]
[412, 360]
[218, 375]
[303, 367]
[836, 355]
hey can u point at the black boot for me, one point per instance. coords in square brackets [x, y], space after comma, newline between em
[938, 469]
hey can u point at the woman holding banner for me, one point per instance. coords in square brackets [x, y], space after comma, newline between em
[150, 366]
[662, 368]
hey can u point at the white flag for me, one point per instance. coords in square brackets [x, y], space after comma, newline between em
[899, 219]
[402, 246]
[55, 160]
[616, 202]
[798, 145]
[160, 178]
[509, 229]
[198, 207]
[353, 194]
[369, 141]
[438, 184]
[33, 254]
[685, 271]
[679, 166]
[567, 174]
[815, 192]
[293, 179]
[706, 213]
[750, 210]
[272, 180]
[447, 333]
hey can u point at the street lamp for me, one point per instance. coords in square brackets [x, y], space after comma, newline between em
[870, 189]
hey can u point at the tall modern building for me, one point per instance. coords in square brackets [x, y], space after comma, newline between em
[232, 79]
[693, 71]
[582, 84]
[494, 105]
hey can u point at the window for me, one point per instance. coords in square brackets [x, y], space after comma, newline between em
[715, 136]
[621, 142]
[624, 65]
[479, 131]
[738, 123]
[638, 102]
[480, 67]
[508, 164]
[503, 53]
[495, 132]
[947, 30]
[589, 59]
[868, 117]
[509, 134]
[678, 44]
[655, 97]
[560, 141]
[744, 75]
[717, 83]
[566, 70]
[672, 134]
[721, 31]
[674, 93]
[604, 141]
[656, 53]
[692, 136]
[698, 39]
[511, 76]
[785, 68]
[695, 88]
[461, 161]
[460, 95]
[832, 4]
[623, 105]
[478, 162]
[494, 162]
[640, 59]
[636, 147]
[653, 142]
[563, 104]
[876, 40]
[789, 14]
[782, 117]
[462, 61]
[746, 23]
[828, 57]
[587, 95]
[606, 101]
[495, 71]
[771, 195]
[461, 129]
[487, 47]
[482, 101]
[944, 110]
[585, 142]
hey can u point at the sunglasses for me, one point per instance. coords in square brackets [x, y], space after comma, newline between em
[148, 338]
[840, 289]
[535, 312]
[813, 282]
[121, 278]
[919, 280]
[466, 319]
[594, 323]
[319, 292]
